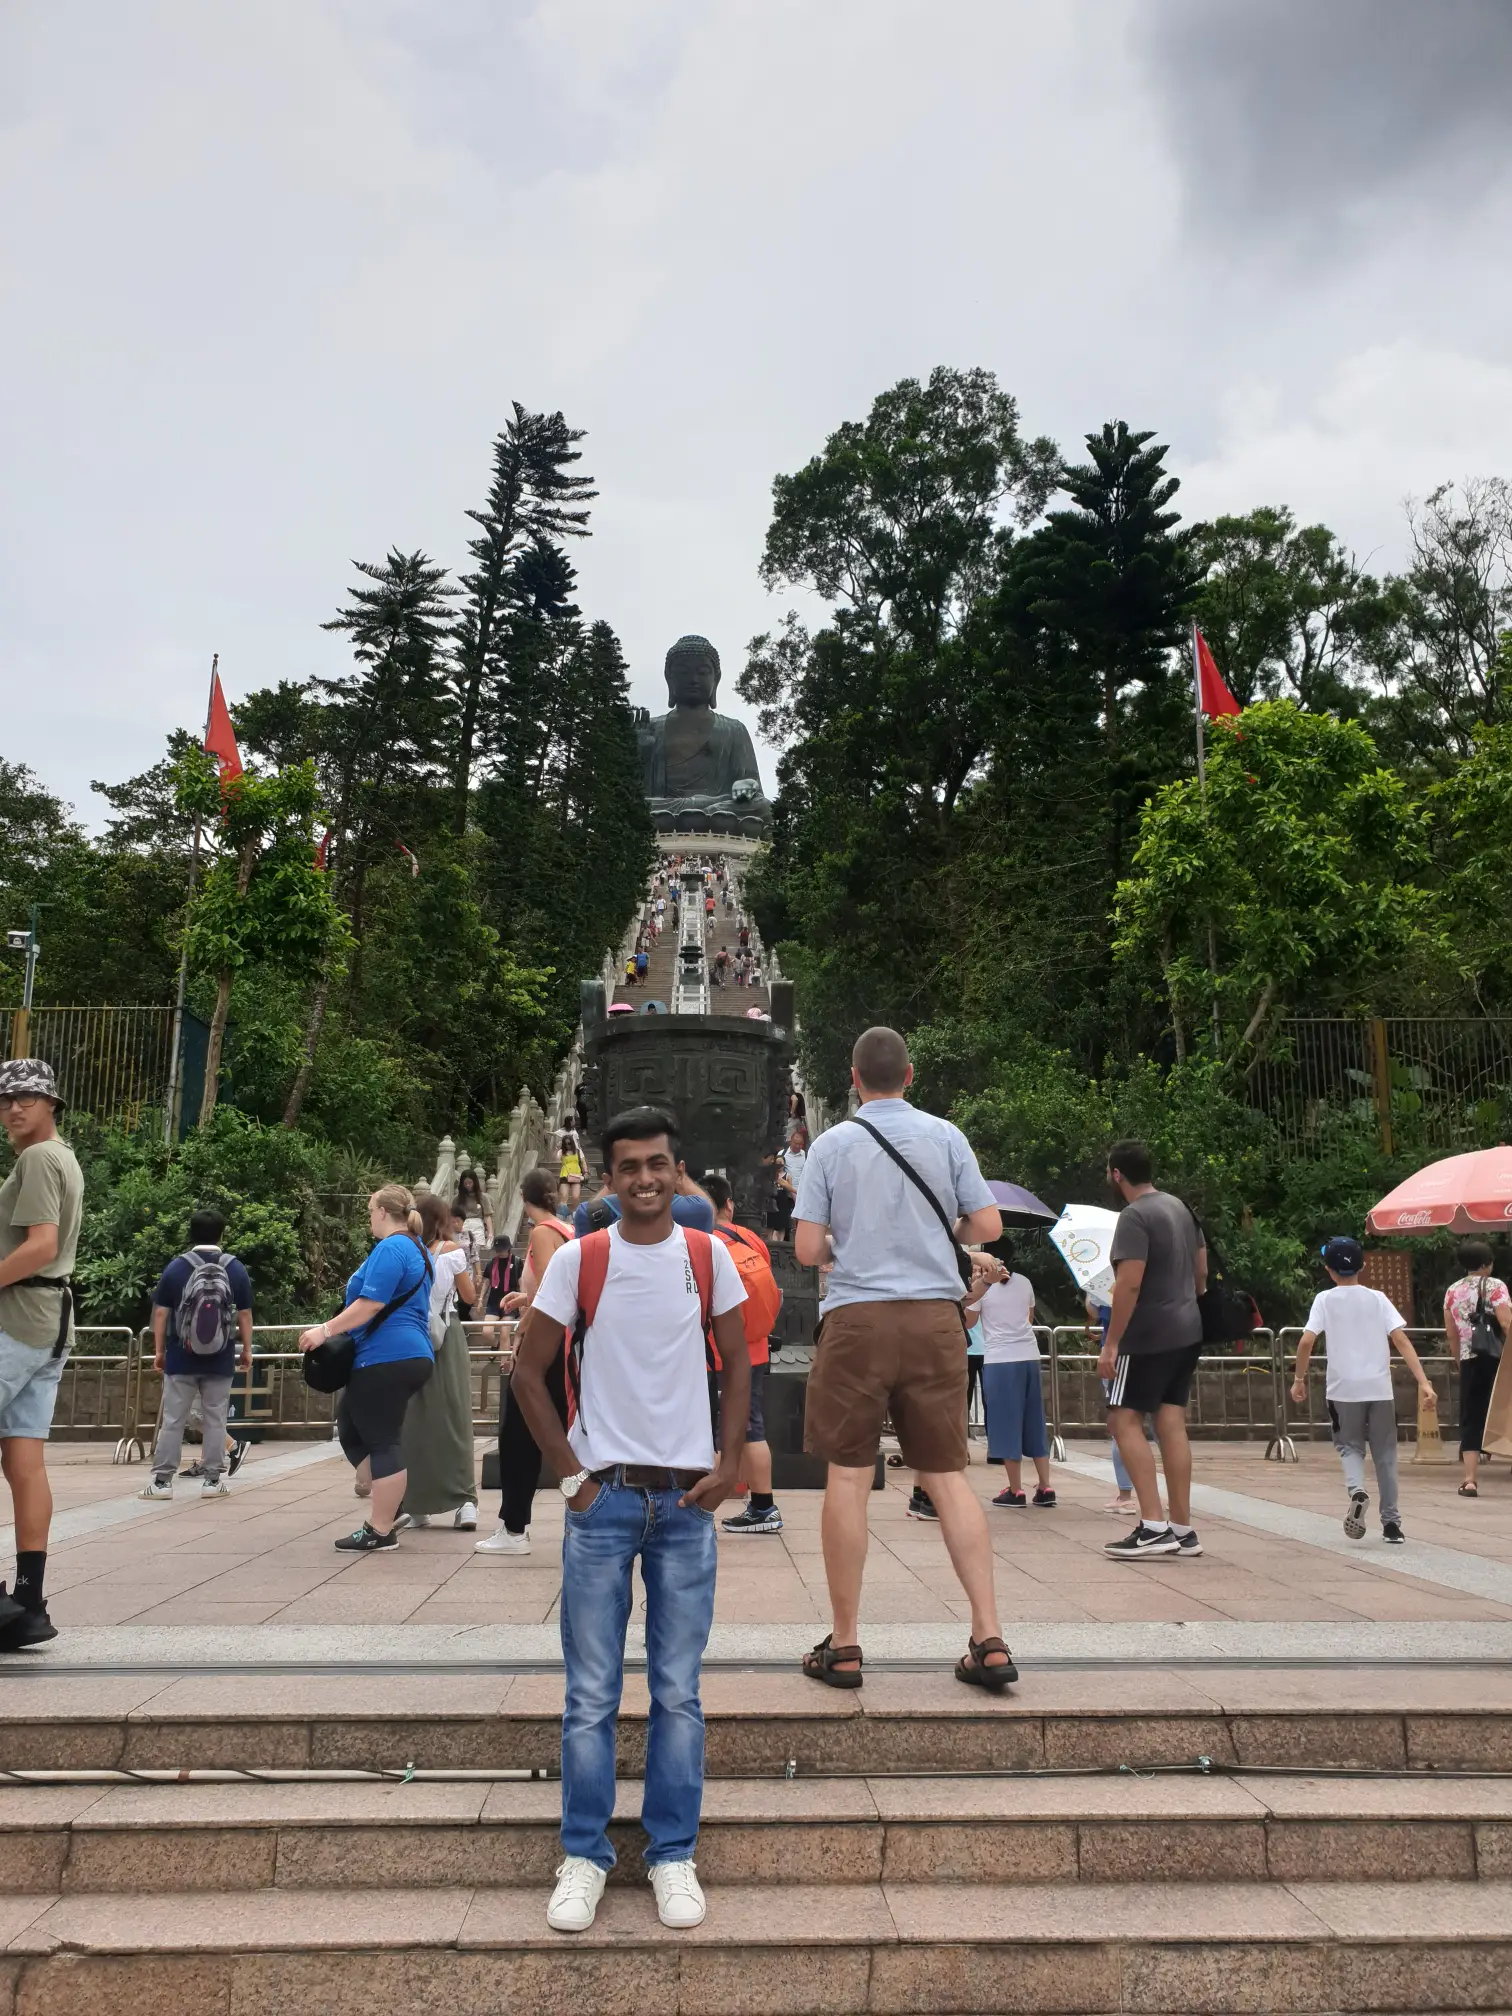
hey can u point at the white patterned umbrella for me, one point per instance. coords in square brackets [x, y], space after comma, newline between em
[1083, 1236]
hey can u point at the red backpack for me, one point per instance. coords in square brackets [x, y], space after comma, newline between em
[593, 1271]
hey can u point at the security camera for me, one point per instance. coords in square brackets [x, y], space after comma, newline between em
[18, 941]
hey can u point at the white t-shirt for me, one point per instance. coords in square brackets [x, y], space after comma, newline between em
[444, 1288]
[645, 1396]
[1357, 1323]
[1007, 1335]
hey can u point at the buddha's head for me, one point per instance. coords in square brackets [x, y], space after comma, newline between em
[692, 672]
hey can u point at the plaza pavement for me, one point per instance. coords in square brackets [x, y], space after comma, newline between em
[255, 1576]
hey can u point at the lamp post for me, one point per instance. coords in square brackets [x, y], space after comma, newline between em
[24, 941]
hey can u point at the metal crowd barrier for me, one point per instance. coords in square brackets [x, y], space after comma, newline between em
[272, 1398]
[1237, 1395]
[1311, 1421]
[94, 1391]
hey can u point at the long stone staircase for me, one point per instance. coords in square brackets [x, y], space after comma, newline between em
[1313, 1840]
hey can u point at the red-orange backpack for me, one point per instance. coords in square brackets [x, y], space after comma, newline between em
[593, 1271]
[763, 1303]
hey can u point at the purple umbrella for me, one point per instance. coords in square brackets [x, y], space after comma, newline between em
[1020, 1207]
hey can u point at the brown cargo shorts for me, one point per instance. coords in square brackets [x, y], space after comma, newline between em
[906, 1359]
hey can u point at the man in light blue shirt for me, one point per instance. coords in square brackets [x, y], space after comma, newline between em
[893, 1341]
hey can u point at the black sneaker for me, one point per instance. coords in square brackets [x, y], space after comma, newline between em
[1044, 1497]
[1354, 1518]
[194, 1469]
[11, 1612]
[1392, 1534]
[750, 1521]
[921, 1506]
[31, 1627]
[366, 1541]
[237, 1457]
[1142, 1542]
[1188, 1543]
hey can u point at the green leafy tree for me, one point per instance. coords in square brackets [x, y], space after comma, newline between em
[1309, 856]
[263, 901]
[1286, 610]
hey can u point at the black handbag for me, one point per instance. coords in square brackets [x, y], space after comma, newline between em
[962, 1257]
[1485, 1331]
[1228, 1315]
[328, 1367]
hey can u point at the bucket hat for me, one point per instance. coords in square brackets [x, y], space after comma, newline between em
[22, 1075]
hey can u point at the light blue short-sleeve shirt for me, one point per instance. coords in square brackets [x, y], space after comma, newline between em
[889, 1245]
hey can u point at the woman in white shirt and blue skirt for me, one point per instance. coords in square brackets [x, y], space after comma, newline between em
[1012, 1396]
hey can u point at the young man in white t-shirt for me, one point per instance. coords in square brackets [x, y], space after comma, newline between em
[641, 1479]
[1361, 1325]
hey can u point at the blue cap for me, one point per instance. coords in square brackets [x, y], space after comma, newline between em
[1343, 1256]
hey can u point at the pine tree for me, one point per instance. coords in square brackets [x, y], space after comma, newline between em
[533, 502]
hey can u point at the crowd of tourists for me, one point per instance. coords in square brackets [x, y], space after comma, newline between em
[635, 1328]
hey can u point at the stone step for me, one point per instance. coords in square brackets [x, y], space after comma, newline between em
[758, 1724]
[1054, 1830]
[796, 1949]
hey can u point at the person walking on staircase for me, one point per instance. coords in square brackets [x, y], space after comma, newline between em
[519, 1452]
[641, 1481]
[201, 1338]
[893, 1194]
[41, 1205]
[438, 1423]
[759, 1311]
[1150, 1351]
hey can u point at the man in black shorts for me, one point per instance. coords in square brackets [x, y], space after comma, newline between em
[1151, 1350]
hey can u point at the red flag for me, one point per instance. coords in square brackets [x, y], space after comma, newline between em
[220, 737]
[322, 852]
[1215, 695]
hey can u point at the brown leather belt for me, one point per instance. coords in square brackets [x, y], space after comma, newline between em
[646, 1477]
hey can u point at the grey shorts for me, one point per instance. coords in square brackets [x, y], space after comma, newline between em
[29, 1376]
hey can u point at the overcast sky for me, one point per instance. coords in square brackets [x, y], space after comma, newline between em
[271, 273]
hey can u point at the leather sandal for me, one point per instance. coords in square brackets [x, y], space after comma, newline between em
[1469, 1491]
[820, 1663]
[975, 1671]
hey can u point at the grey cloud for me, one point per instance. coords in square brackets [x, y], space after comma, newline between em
[1312, 115]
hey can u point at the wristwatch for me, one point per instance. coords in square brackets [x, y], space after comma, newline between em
[570, 1486]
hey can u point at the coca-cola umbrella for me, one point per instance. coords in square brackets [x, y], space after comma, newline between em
[1020, 1207]
[1463, 1193]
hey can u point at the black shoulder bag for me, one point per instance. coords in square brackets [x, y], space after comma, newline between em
[329, 1366]
[1485, 1331]
[1228, 1315]
[962, 1257]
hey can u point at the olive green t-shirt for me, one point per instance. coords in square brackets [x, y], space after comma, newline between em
[46, 1187]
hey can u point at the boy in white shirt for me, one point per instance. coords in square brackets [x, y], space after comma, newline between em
[1361, 1325]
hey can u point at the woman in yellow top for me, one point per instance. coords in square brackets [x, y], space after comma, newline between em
[570, 1173]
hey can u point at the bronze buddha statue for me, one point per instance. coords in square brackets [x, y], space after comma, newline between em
[698, 767]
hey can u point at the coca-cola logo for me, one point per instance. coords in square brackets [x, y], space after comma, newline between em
[1405, 1218]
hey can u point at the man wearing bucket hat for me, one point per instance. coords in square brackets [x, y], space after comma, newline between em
[41, 1203]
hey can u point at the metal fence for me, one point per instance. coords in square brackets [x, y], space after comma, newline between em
[111, 1062]
[1415, 1083]
[1235, 1395]
[270, 1399]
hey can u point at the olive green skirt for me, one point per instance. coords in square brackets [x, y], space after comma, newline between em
[438, 1432]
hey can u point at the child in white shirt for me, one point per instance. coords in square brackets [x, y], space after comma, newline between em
[1361, 1325]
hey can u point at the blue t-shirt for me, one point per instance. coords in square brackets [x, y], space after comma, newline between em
[396, 1266]
[169, 1292]
[695, 1211]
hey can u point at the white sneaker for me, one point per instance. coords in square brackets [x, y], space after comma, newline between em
[412, 1519]
[575, 1900]
[679, 1900]
[152, 1488]
[466, 1519]
[218, 1489]
[504, 1542]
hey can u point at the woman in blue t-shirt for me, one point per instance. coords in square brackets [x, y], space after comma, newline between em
[388, 1312]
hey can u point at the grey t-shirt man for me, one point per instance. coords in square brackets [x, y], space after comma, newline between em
[1160, 1230]
[889, 1245]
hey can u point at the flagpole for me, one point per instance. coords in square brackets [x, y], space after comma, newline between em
[1212, 947]
[175, 1090]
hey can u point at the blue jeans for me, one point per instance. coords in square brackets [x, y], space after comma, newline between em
[677, 1555]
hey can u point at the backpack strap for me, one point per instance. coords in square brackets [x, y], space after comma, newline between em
[701, 1255]
[962, 1257]
[593, 1271]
